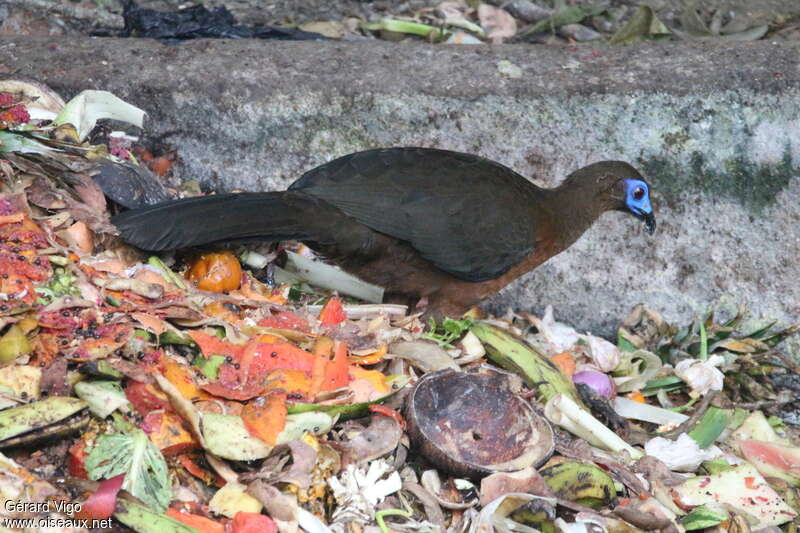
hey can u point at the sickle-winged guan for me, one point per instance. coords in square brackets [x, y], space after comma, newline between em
[420, 222]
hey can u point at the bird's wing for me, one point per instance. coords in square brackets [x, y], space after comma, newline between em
[469, 216]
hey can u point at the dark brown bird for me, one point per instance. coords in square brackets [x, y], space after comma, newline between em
[422, 223]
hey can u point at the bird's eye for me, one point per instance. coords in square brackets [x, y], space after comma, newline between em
[638, 193]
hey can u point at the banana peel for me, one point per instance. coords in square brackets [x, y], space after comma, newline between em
[581, 483]
[516, 355]
[51, 417]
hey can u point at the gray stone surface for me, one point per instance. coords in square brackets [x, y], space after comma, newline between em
[716, 129]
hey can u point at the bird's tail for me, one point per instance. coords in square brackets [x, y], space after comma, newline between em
[265, 216]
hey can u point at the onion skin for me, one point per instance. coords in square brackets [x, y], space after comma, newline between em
[601, 383]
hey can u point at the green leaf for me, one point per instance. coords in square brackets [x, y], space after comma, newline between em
[132, 454]
[643, 24]
[103, 397]
[716, 466]
[567, 15]
[19, 142]
[142, 520]
[403, 26]
[354, 410]
[209, 367]
[703, 517]
[623, 344]
[710, 426]
[169, 275]
[703, 343]
[173, 337]
[448, 331]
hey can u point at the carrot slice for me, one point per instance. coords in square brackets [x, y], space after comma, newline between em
[200, 523]
[565, 362]
[636, 396]
[190, 465]
[389, 413]
[371, 358]
[265, 418]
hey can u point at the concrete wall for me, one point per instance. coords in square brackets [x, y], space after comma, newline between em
[716, 130]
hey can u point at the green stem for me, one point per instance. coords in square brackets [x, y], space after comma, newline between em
[168, 273]
[389, 512]
[703, 342]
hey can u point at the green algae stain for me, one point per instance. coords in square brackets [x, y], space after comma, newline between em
[753, 185]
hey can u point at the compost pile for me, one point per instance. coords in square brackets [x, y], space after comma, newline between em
[221, 390]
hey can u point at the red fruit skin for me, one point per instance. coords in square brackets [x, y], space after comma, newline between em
[145, 398]
[253, 523]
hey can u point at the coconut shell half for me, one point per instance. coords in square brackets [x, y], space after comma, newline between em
[475, 424]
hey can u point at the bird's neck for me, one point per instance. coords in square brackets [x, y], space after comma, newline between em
[573, 208]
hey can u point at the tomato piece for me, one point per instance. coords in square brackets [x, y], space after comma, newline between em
[260, 358]
[76, 460]
[213, 345]
[285, 320]
[216, 272]
[333, 313]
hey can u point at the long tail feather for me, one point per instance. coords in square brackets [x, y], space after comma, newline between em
[269, 216]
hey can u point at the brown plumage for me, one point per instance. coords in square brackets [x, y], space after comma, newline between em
[451, 227]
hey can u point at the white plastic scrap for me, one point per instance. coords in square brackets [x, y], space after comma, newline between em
[360, 491]
[701, 376]
[682, 454]
[495, 516]
[581, 525]
[560, 337]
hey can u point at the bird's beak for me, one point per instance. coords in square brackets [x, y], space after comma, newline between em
[649, 222]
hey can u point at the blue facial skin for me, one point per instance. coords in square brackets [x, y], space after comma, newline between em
[637, 200]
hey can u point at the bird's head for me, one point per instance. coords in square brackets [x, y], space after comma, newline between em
[636, 200]
[620, 187]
